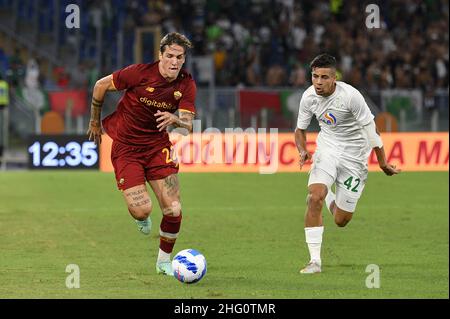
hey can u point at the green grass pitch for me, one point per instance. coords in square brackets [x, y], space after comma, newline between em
[248, 226]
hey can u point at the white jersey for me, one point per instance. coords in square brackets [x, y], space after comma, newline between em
[341, 117]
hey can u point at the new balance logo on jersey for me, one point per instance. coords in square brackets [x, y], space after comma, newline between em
[328, 118]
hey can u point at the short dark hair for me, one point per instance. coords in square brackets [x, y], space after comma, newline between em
[175, 38]
[323, 61]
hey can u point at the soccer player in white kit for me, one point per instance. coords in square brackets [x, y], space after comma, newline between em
[347, 135]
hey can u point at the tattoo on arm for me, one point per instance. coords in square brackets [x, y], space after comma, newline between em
[185, 120]
[96, 110]
[96, 102]
[96, 113]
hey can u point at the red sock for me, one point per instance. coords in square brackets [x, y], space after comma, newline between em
[168, 232]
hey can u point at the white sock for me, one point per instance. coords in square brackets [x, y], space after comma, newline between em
[163, 256]
[313, 236]
[329, 200]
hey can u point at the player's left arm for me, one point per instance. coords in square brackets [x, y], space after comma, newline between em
[186, 111]
[364, 117]
[184, 120]
[375, 142]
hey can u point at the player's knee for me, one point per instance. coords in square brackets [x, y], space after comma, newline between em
[140, 212]
[315, 199]
[342, 221]
[173, 210]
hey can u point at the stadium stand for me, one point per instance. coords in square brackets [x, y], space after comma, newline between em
[263, 45]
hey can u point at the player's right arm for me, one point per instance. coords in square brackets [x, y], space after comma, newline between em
[100, 88]
[300, 142]
[303, 120]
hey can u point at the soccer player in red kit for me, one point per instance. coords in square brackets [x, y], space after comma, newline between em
[141, 150]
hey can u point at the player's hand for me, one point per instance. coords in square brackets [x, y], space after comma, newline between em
[304, 157]
[165, 119]
[390, 170]
[95, 132]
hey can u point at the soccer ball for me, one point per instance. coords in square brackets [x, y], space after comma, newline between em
[189, 266]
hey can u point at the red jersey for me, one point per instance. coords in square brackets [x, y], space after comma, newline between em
[147, 91]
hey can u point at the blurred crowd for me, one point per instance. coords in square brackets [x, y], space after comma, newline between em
[20, 72]
[271, 42]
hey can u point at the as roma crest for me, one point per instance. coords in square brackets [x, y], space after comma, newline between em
[177, 95]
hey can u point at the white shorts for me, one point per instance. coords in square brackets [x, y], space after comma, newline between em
[348, 176]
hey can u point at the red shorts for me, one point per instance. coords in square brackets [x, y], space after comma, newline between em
[135, 165]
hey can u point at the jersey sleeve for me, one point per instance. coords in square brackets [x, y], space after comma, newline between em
[187, 102]
[360, 109]
[127, 77]
[304, 114]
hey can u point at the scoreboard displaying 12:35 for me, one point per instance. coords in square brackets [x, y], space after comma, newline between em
[62, 152]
